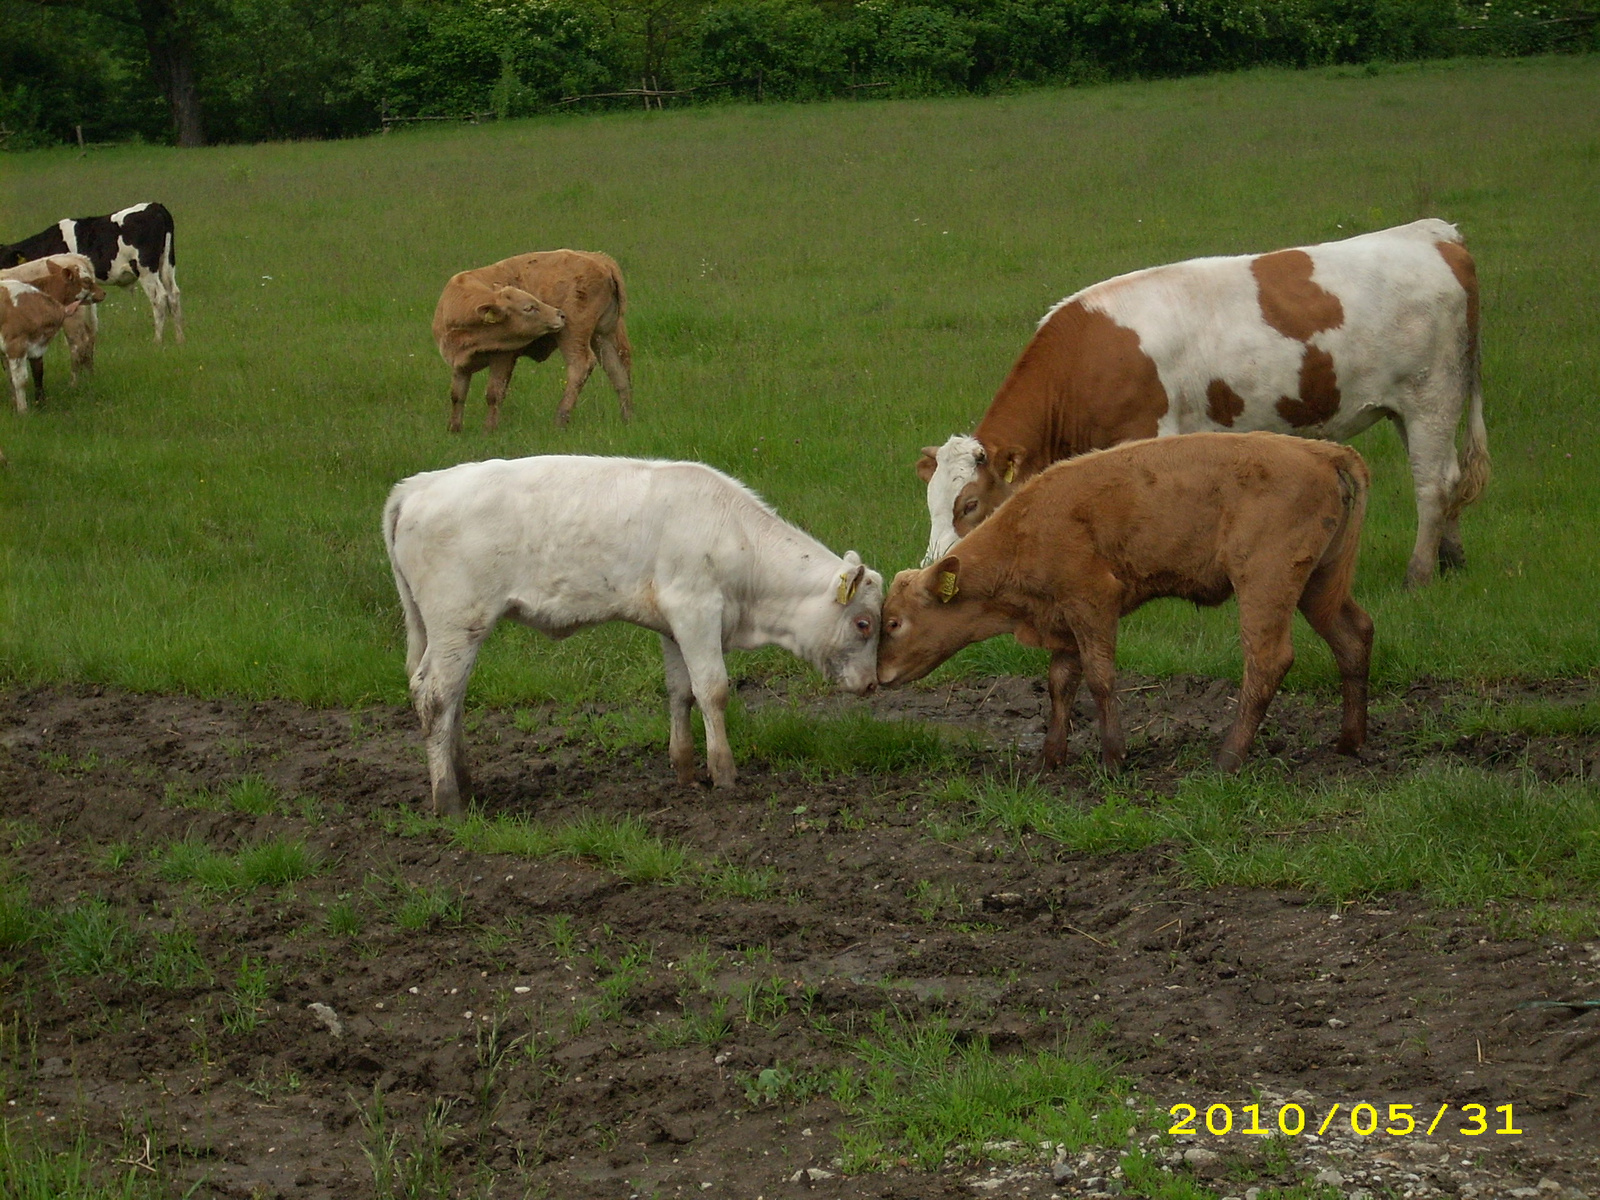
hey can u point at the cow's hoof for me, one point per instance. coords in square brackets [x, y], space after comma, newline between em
[1228, 761]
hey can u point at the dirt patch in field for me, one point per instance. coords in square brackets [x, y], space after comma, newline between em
[558, 1080]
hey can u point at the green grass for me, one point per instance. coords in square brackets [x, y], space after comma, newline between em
[816, 292]
[33, 1170]
[1461, 836]
[271, 862]
[1535, 719]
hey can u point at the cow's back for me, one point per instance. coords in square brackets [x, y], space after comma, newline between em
[578, 282]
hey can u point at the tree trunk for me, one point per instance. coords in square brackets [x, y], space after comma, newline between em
[171, 42]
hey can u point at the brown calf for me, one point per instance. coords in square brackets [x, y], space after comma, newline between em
[31, 314]
[82, 324]
[587, 289]
[1274, 519]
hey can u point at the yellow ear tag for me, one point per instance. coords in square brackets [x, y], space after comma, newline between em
[1011, 470]
[491, 317]
[848, 584]
[947, 586]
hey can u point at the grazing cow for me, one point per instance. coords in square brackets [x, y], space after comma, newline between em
[81, 325]
[1273, 519]
[32, 314]
[135, 244]
[587, 289]
[1320, 341]
[564, 542]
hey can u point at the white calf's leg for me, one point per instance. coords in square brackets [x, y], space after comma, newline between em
[700, 642]
[680, 699]
[169, 283]
[157, 295]
[438, 693]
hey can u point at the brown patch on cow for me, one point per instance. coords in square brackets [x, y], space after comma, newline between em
[1223, 404]
[1319, 391]
[1083, 383]
[1457, 258]
[1290, 302]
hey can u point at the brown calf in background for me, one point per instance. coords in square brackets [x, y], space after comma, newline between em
[587, 288]
[1273, 519]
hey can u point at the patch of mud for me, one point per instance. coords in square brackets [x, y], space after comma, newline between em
[1227, 996]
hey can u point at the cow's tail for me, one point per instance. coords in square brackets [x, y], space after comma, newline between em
[1474, 452]
[1355, 483]
[620, 333]
[416, 631]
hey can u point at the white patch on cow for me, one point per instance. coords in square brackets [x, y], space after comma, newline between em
[16, 287]
[69, 234]
[119, 217]
[957, 466]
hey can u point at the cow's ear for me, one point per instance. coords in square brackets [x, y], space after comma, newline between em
[850, 578]
[1009, 462]
[490, 314]
[928, 463]
[946, 578]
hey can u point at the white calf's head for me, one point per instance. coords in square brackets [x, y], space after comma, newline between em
[846, 642]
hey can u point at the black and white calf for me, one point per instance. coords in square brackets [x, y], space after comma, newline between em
[134, 244]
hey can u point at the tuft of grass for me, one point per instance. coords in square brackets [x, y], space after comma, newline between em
[253, 795]
[623, 845]
[343, 919]
[719, 879]
[1535, 719]
[695, 1028]
[91, 939]
[422, 907]
[243, 1010]
[271, 862]
[854, 743]
[924, 1094]
[30, 1169]
[19, 920]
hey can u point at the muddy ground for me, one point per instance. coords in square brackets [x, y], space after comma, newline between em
[1201, 996]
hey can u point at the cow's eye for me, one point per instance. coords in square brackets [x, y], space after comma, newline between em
[864, 625]
[892, 625]
[970, 507]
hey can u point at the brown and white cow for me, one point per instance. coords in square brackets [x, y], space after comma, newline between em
[585, 286]
[1274, 520]
[82, 324]
[31, 314]
[1319, 341]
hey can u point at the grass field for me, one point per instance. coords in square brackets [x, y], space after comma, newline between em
[816, 292]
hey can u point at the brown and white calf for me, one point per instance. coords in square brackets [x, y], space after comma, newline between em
[82, 324]
[31, 314]
[1274, 520]
[585, 287]
[1319, 341]
[133, 245]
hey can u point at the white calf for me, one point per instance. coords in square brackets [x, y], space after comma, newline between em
[561, 543]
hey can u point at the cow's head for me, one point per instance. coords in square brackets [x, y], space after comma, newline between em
[966, 483]
[73, 286]
[845, 642]
[516, 315]
[928, 616]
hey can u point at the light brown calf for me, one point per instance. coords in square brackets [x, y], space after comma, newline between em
[587, 289]
[82, 325]
[1274, 519]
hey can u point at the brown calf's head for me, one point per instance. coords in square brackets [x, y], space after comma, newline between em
[927, 618]
[519, 314]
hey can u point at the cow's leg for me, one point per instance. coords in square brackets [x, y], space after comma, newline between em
[500, 368]
[1098, 653]
[174, 298]
[1265, 625]
[1066, 672]
[36, 365]
[18, 370]
[680, 699]
[699, 639]
[616, 370]
[460, 383]
[439, 693]
[1347, 629]
[1431, 450]
[580, 362]
[81, 328]
[157, 295]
